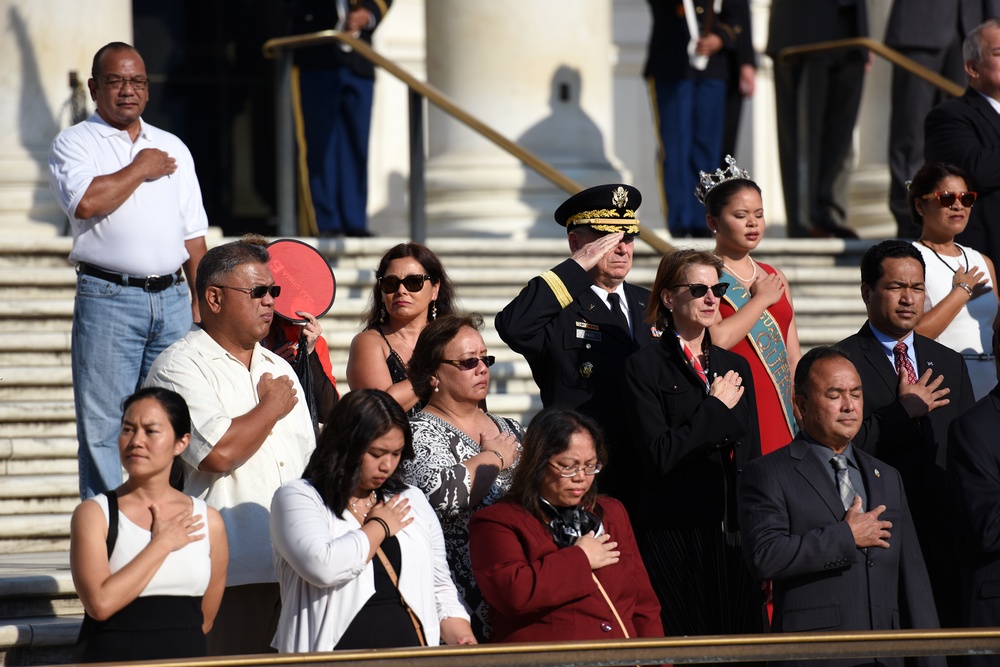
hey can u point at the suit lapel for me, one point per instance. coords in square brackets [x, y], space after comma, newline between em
[641, 331]
[984, 108]
[812, 470]
[923, 355]
[875, 357]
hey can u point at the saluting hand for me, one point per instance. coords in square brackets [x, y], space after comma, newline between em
[589, 254]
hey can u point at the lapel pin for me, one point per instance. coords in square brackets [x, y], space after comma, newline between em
[877, 473]
[930, 363]
[590, 306]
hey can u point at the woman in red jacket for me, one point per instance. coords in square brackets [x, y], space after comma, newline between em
[553, 560]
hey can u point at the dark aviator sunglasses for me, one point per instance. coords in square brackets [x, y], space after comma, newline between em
[699, 290]
[470, 363]
[413, 283]
[257, 292]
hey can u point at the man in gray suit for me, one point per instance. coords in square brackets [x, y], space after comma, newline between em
[931, 33]
[829, 524]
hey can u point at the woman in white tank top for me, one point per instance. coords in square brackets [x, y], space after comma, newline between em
[148, 562]
[960, 303]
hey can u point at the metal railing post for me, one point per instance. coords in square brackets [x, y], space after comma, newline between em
[418, 184]
[284, 137]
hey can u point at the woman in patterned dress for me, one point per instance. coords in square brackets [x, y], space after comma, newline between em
[464, 456]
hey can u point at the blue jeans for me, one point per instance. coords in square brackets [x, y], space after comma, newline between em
[689, 119]
[337, 114]
[117, 333]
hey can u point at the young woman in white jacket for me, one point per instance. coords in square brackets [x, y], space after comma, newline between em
[334, 530]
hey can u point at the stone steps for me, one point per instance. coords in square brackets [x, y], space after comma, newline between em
[38, 451]
[40, 614]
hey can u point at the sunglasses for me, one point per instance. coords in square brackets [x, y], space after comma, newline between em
[413, 283]
[947, 199]
[470, 363]
[257, 292]
[699, 290]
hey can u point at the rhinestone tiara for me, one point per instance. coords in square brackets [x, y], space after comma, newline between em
[707, 182]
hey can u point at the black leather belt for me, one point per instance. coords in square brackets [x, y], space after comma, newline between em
[149, 283]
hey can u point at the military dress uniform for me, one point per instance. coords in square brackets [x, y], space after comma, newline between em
[573, 342]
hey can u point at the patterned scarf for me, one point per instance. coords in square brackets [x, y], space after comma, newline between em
[568, 524]
[693, 363]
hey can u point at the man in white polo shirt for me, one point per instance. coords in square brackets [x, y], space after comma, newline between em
[250, 433]
[133, 199]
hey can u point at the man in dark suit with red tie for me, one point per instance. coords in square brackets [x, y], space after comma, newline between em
[913, 388]
[829, 525]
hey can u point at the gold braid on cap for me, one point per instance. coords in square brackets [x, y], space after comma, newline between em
[708, 182]
[600, 214]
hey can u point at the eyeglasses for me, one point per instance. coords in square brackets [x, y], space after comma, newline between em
[413, 283]
[138, 83]
[570, 471]
[470, 363]
[699, 290]
[257, 292]
[947, 199]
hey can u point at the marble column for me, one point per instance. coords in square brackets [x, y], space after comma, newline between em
[540, 73]
[44, 40]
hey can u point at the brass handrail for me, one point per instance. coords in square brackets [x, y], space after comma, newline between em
[890, 54]
[274, 47]
[676, 650]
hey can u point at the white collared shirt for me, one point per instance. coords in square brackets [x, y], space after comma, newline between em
[620, 291]
[218, 387]
[145, 235]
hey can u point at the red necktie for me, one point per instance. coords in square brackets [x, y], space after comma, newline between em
[903, 363]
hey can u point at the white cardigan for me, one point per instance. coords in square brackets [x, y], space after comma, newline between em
[320, 562]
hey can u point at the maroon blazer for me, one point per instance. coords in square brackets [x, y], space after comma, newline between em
[538, 592]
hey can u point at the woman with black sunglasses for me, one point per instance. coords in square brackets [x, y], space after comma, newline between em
[694, 424]
[465, 457]
[411, 289]
[960, 297]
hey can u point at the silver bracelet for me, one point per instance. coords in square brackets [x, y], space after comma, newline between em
[966, 287]
[499, 456]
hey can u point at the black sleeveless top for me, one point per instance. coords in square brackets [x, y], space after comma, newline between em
[397, 370]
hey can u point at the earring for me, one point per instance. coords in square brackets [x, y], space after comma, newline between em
[385, 315]
[437, 389]
[434, 309]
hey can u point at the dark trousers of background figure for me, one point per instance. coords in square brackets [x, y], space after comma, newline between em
[912, 100]
[817, 100]
[688, 115]
[247, 620]
[337, 113]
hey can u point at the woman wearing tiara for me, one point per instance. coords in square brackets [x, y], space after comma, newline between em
[755, 317]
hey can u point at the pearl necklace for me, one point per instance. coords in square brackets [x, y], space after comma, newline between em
[738, 276]
[369, 501]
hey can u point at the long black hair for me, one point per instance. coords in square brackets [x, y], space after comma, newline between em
[334, 469]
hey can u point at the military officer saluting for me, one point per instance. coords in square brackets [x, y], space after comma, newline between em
[576, 323]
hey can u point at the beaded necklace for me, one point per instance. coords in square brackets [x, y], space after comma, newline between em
[964, 256]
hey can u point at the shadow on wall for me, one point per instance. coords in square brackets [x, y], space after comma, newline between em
[570, 141]
[37, 125]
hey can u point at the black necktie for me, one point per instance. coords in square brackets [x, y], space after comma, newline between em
[617, 313]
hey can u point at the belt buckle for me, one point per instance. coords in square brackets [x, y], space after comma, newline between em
[156, 283]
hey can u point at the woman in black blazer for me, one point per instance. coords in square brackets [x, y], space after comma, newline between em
[694, 424]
